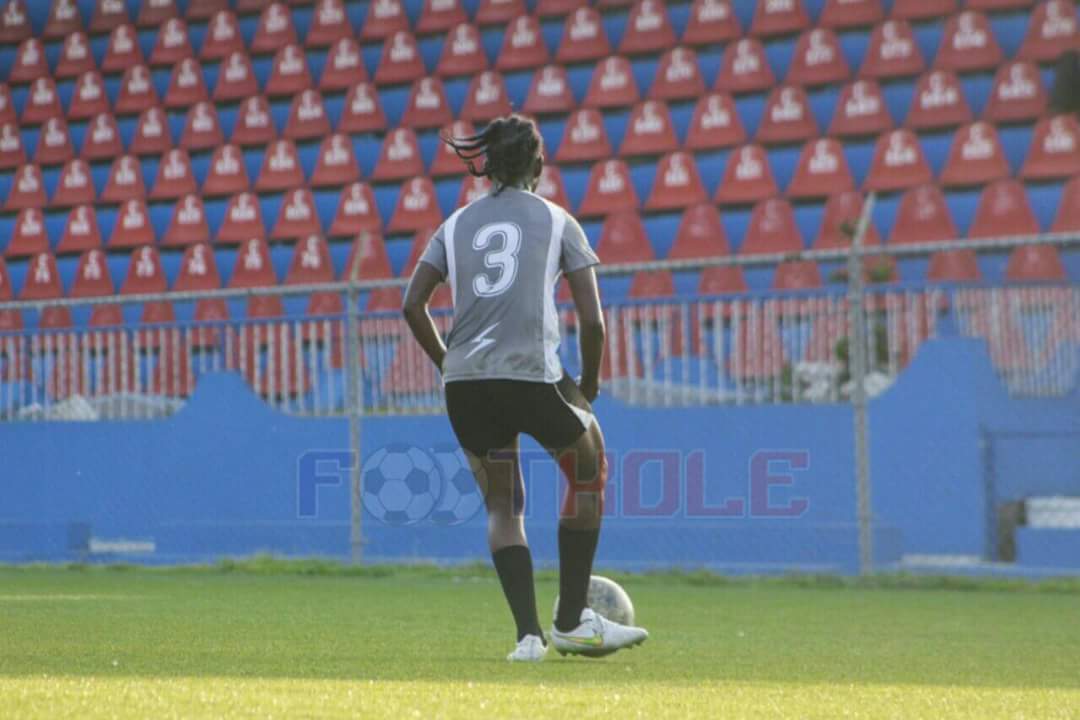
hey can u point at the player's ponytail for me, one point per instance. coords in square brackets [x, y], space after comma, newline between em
[512, 149]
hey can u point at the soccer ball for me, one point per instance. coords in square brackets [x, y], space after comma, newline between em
[606, 597]
[402, 484]
[461, 498]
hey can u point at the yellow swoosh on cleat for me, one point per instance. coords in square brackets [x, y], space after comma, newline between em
[594, 641]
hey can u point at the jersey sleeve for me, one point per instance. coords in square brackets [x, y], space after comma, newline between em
[435, 253]
[576, 253]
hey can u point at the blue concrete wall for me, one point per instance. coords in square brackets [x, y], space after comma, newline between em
[766, 488]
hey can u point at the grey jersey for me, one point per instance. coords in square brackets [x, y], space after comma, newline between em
[503, 255]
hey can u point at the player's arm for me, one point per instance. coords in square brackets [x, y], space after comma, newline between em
[425, 279]
[590, 327]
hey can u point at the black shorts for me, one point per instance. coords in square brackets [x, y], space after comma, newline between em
[489, 414]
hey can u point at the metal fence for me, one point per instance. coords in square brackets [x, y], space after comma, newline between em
[790, 348]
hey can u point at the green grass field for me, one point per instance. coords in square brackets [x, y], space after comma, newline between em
[423, 643]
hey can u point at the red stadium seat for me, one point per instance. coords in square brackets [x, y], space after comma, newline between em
[12, 153]
[88, 98]
[678, 76]
[367, 258]
[188, 225]
[281, 168]
[92, 280]
[202, 130]
[922, 9]
[938, 102]
[152, 136]
[772, 229]
[1018, 93]
[1054, 150]
[550, 92]
[584, 138]
[27, 189]
[43, 102]
[842, 212]
[243, 219]
[236, 78]
[297, 216]
[953, 266]
[648, 29]
[779, 18]
[472, 188]
[9, 319]
[968, 44]
[893, 52]
[228, 174]
[499, 12]
[145, 276]
[107, 15]
[198, 272]
[137, 92]
[400, 61]
[788, 117]
[102, 139]
[174, 176]
[75, 187]
[975, 157]
[550, 187]
[649, 130]
[583, 37]
[275, 29]
[747, 177]
[187, 85]
[549, 8]
[427, 106]
[75, 56]
[223, 36]
[715, 123]
[384, 18]
[289, 72]
[1067, 218]
[307, 117]
[1051, 31]
[64, 19]
[344, 66]
[1003, 210]
[336, 165]
[438, 16]
[612, 84]
[205, 9]
[132, 227]
[623, 239]
[446, 161]
[399, 156]
[30, 62]
[822, 171]
[54, 143]
[609, 190]
[356, 212]
[462, 53]
[329, 23]
[7, 107]
[15, 22]
[43, 283]
[647, 284]
[819, 59]
[843, 14]
[28, 237]
[362, 112]
[745, 68]
[898, 162]
[797, 275]
[153, 14]
[860, 110]
[172, 43]
[923, 217]
[253, 269]
[523, 46]
[700, 234]
[123, 51]
[486, 98]
[81, 231]
[1035, 263]
[417, 207]
[677, 183]
[310, 265]
[711, 22]
[722, 280]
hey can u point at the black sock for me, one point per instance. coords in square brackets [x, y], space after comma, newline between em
[514, 565]
[576, 551]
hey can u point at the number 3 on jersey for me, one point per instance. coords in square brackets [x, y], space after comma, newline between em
[502, 241]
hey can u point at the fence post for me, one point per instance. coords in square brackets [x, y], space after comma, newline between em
[857, 360]
[354, 407]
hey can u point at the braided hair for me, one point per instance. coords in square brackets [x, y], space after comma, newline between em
[512, 149]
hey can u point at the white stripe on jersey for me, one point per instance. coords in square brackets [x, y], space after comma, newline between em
[552, 366]
[448, 242]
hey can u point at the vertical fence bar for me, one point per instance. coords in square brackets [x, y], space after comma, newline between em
[857, 357]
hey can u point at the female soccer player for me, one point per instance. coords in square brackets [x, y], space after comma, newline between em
[502, 256]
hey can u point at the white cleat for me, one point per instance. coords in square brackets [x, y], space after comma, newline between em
[530, 649]
[597, 636]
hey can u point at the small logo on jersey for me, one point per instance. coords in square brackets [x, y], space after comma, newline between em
[482, 340]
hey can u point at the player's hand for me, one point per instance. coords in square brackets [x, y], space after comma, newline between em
[589, 388]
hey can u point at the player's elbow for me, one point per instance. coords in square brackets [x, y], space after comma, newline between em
[412, 307]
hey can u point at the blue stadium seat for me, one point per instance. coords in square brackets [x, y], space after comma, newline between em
[884, 213]
[783, 161]
[160, 79]
[112, 88]
[962, 205]
[615, 288]
[29, 136]
[992, 266]
[446, 191]
[517, 86]
[371, 54]
[592, 229]
[1044, 199]
[457, 90]
[270, 205]
[147, 40]
[615, 123]
[928, 36]
[575, 181]
[214, 209]
[279, 112]
[253, 158]
[280, 257]
[899, 97]
[339, 250]
[823, 104]
[935, 147]
[1015, 141]
[429, 142]
[160, 216]
[366, 150]
[859, 155]
[55, 222]
[679, 16]
[551, 129]
[301, 18]
[750, 108]
[491, 39]
[709, 62]
[398, 252]
[686, 282]
[644, 71]
[431, 47]
[614, 23]
[682, 113]
[808, 217]
[66, 265]
[1009, 28]
[779, 54]
[50, 176]
[308, 151]
[262, 66]
[736, 220]
[661, 230]
[386, 199]
[106, 217]
[551, 30]
[579, 76]
[394, 100]
[977, 88]
[326, 202]
[200, 165]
